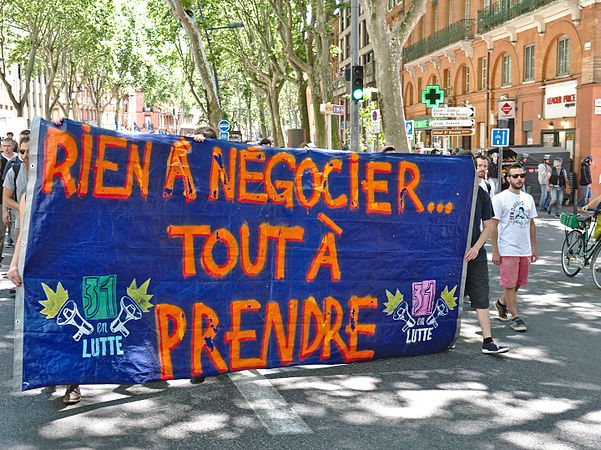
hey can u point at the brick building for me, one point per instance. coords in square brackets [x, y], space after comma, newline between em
[533, 66]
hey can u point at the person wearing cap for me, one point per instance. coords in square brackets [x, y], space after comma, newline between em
[544, 171]
[585, 180]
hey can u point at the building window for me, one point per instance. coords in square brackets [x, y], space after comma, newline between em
[528, 138]
[447, 81]
[423, 27]
[419, 87]
[506, 70]
[529, 62]
[466, 79]
[450, 18]
[482, 73]
[434, 17]
[468, 5]
[563, 57]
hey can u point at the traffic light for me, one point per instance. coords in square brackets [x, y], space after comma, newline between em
[357, 83]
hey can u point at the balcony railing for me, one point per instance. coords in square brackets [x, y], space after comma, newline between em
[505, 10]
[458, 31]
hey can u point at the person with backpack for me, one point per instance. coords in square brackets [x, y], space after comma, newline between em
[585, 180]
[557, 185]
[11, 192]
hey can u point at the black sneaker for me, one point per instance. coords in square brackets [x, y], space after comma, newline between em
[517, 324]
[502, 310]
[491, 348]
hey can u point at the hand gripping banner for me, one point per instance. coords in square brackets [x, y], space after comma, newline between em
[150, 257]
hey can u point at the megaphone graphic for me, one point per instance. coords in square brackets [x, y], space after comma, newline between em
[69, 315]
[441, 309]
[129, 311]
[401, 312]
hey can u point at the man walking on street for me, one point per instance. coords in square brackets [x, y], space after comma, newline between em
[482, 170]
[544, 171]
[585, 180]
[514, 243]
[476, 283]
[557, 182]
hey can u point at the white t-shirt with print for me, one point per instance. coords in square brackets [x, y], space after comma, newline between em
[514, 212]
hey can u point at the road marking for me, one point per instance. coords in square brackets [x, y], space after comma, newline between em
[267, 403]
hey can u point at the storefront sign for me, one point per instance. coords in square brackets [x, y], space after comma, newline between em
[598, 106]
[560, 100]
[421, 124]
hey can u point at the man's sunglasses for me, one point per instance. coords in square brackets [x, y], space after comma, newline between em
[515, 176]
[22, 151]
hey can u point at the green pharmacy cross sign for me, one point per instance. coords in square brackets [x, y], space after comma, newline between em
[433, 96]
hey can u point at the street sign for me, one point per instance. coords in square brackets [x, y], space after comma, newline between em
[452, 123]
[456, 111]
[433, 96]
[409, 128]
[457, 132]
[224, 136]
[334, 110]
[375, 121]
[223, 125]
[507, 109]
[499, 137]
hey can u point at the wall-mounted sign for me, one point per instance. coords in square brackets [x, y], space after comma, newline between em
[598, 106]
[560, 100]
[507, 109]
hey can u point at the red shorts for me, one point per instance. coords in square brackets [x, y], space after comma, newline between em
[514, 271]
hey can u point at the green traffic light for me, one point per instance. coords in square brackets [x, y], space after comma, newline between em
[357, 94]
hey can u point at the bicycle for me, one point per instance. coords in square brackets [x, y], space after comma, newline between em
[582, 245]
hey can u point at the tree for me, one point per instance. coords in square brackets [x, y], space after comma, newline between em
[388, 42]
[23, 23]
[306, 30]
[186, 17]
[260, 52]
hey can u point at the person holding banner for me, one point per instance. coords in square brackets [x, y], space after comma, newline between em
[476, 283]
[514, 243]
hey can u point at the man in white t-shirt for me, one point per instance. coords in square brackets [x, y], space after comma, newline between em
[514, 242]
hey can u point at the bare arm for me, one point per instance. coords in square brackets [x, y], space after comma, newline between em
[13, 271]
[7, 199]
[496, 258]
[592, 204]
[533, 242]
[486, 231]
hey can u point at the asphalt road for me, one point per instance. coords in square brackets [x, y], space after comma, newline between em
[546, 392]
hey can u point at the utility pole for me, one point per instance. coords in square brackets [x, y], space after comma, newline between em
[355, 143]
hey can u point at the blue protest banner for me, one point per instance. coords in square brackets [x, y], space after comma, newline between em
[154, 257]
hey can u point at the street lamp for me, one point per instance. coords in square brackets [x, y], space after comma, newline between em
[206, 30]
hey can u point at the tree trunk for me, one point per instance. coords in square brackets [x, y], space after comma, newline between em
[262, 123]
[303, 109]
[276, 119]
[388, 51]
[200, 58]
[99, 112]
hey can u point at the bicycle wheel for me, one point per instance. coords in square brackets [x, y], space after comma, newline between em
[571, 253]
[596, 266]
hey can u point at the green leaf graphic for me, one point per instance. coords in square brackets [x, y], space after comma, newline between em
[393, 301]
[54, 300]
[449, 297]
[139, 295]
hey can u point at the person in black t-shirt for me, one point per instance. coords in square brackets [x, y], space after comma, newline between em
[476, 283]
